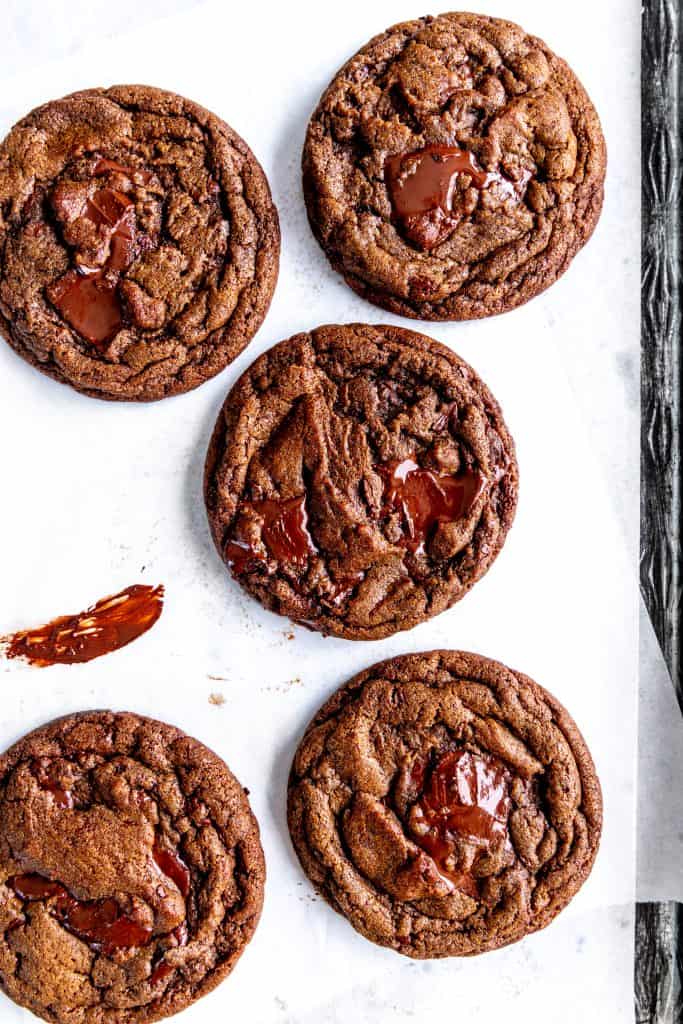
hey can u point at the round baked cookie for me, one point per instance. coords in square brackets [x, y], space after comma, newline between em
[360, 479]
[453, 168]
[444, 804]
[131, 872]
[139, 243]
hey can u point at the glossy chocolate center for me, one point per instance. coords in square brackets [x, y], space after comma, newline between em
[421, 181]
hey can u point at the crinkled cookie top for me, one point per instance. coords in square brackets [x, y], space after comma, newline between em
[131, 872]
[444, 804]
[453, 168]
[360, 479]
[139, 244]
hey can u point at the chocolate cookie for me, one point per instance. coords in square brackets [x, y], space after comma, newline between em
[139, 243]
[131, 872]
[444, 804]
[360, 479]
[453, 168]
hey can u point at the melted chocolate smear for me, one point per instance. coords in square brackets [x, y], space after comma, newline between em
[422, 188]
[284, 532]
[171, 864]
[105, 627]
[35, 887]
[466, 796]
[100, 923]
[424, 498]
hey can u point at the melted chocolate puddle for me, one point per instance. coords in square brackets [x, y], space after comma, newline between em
[422, 189]
[108, 625]
[466, 796]
[424, 498]
[100, 923]
[87, 297]
[284, 532]
[89, 303]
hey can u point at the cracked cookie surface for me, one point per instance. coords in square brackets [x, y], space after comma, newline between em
[444, 804]
[360, 479]
[139, 243]
[131, 871]
[453, 168]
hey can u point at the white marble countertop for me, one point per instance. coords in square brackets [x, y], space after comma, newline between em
[125, 506]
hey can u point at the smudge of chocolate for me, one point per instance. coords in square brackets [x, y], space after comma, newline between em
[108, 625]
[172, 865]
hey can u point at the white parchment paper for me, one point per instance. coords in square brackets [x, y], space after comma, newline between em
[98, 496]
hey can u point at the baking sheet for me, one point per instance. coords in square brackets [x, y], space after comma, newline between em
[99, 496]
